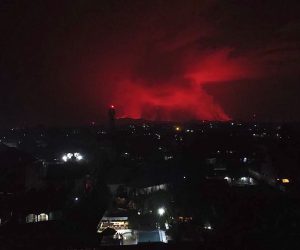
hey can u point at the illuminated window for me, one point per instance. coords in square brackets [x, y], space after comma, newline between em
[285, 180]
[42, 217]
[31, 218]
[117, 224]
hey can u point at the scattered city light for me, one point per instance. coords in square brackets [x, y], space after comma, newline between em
[285, 180]
[70, 156]
[161, 211]
[177, 128]
[168, 157]
[64, 158]
[79, 157]
[207, 226]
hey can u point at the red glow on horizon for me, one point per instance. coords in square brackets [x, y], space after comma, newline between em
[168, 103]
[183, 96]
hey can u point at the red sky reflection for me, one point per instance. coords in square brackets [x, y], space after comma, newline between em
[158, 60]
[181, 95]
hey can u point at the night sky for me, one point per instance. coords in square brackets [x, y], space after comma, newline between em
[65, 62]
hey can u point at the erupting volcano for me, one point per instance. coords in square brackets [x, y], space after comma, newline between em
[158, 60]
[179, 93]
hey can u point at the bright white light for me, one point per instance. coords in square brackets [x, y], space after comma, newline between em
[161, 211]
[64, 158]
[69, 156]
[208, 226]
[184, 177]
[76, 199]
[78, 156]
[139, 213]
[228, 179]
[251, 180]
[168, 157]
[243, 178]
[245, 159]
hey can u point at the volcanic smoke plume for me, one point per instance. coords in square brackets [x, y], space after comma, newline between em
[170, 86]
[161, 70]
[160, 60]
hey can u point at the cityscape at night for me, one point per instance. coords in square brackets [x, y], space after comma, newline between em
[150, 124]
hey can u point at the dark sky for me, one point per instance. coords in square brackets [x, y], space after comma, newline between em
[64, 62]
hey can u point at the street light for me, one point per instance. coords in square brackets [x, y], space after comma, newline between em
[72, 156]
[78, 156]
[177, 128]
[64, 158]
[161, 211]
